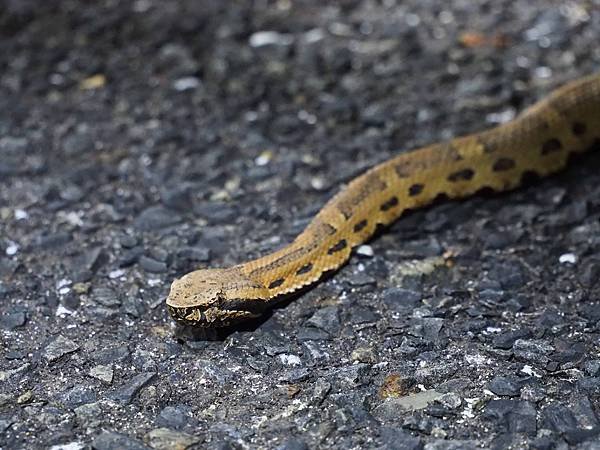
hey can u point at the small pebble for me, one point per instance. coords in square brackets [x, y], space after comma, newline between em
[59, 347]
[102, 373]
[365, 250]
[569, 258]
[263, 38]
[186, 84]
[152, 265]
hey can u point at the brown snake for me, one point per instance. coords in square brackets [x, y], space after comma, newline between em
[539, 140]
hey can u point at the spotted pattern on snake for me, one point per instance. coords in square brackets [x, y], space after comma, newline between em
[538, 141]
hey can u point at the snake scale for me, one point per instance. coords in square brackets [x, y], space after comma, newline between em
[538, 141]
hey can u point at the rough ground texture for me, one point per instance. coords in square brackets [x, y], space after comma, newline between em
[142, 139]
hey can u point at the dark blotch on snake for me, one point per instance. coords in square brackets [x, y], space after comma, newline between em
[503, 164]
[360, 225]
[461, 175]
[415, 189]
[389, 204]
[341, 245]
[551, 146]
[329, 229]
[304, 269]
[278, 282]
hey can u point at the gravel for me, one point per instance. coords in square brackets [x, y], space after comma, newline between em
[141, 140]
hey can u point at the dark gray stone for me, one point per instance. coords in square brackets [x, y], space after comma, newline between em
[10, 320]
[59, 347]
[155, 218]
[177, 197]
[513, 416]
[158, 253]
[496, 240]
[398, 439]
[91, 259]
[510, 275]
[134, 306]
[4, 424]
[543, 443]
[354, 375]
[312, 334]
[126, 392]
[507, 339]
[196, 254]
[175, 417]
[427, 328]
[128, 241]
[293, 444]
[589, 445]
[53, 241]
[130, 257]
[109, 440]
[217, 212]
[566, 351]
[106, 296]
[118, 353]
[295, 375]
[321, 390]
[591, 385]
[363, 314]
[399, 299]
[361, 279]
[589, 274]
[549, 319]
[505, 386]
[77, 396]
[559, 418]
[592, 367]
[452, 444]
[152, 265]
[326, 319]
[533, 351]
[591, 312]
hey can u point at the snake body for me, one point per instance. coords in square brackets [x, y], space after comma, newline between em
[539, 140]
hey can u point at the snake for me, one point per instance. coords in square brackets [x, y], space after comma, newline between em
[538, 141]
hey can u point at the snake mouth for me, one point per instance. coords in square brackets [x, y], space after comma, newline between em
[210, 317]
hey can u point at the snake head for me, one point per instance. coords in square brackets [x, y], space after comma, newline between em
[215, 298]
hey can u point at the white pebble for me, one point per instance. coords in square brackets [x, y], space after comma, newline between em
[543, 72]
[412, 20]
[262, 38]
[264, 158]
[72, 218]
[64, 291]
[501, 117]
[62, 311]
[12, 248]
[569, 258]
[290, 360]
[528, 370]
[317, 183]
[116, 273]
[365, 250]
[314, 35]
[493, 330]
[69, 446]
[62, 283]
[186, 83]
[21, 214]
